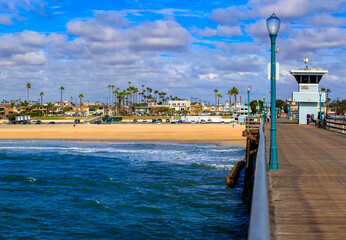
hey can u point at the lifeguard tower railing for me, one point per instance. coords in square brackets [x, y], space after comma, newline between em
[259, 219]
[336, 124]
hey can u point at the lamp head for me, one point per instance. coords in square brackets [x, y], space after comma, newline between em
[273, 24]
[249, 88]
[264, 96]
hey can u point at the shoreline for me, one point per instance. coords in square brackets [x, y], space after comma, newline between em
[219, 134]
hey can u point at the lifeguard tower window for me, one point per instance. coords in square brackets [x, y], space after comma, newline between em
[314, 79]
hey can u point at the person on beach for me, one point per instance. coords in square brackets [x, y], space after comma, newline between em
[307, 119]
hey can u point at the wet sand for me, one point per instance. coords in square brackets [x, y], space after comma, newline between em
[219, 133]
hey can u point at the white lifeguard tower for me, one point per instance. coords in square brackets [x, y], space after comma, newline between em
[308, 95]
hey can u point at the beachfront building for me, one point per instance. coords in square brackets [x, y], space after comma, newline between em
[97, 109]
[179, 105]
[308, 95]
[239, 109]
[216, 109]
[151, 101]
[142, 110]
[59, 106]
[293, 108]
[196, 109]
[70, 113]
[145, 110]
[81, 110]
[5, 110]
[293, 104]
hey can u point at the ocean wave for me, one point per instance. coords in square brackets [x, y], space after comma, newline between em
[117, 150]
[213, 166]
[30, 179]
[37, 148]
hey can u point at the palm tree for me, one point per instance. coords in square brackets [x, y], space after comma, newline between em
[42, 94]
[235, 92]
[109, 92]
[327, 100]
[28, 86]
[80, 99]
[115, 92]
[323, 90]
[215, 91]
[61, 89]
[156, 92]
[50, 106]
[218, 98]
[112, 95]
[229, 93]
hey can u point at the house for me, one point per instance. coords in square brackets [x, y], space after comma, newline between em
[144, 110]
[98, 109]
[81, 110]
[239, 109]
[217, 109]
[60, 105]
[5, 110]
[196, 109]
[293, 105]
[151, 101]
[179, 105]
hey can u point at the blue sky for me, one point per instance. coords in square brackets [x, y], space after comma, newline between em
[184, 48]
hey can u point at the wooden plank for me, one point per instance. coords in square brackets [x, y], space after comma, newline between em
[309, 188]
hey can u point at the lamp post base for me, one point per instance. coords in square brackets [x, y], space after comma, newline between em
[273, 163]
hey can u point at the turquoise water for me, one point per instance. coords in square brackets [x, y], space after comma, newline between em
[118, 190]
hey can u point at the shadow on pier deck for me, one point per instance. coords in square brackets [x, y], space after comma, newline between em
[308, 189]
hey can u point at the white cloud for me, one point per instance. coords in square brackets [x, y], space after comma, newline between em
[221, 30]
[5, 19]
[209, 76]
[159, 35]
[324, 19]
[30, 58]
[227, 16]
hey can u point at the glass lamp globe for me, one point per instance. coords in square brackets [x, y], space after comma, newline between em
[273, 24]
[249, 88]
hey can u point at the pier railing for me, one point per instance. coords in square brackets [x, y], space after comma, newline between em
[252, 123]
[259, 219]
[336, 124]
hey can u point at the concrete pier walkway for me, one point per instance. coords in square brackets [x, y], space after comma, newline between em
[308, 189]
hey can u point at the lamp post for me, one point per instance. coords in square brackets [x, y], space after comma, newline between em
[257, 107]
[288, 112]
[248, 100]
[273, 25]
[264, 109]
[320, 106]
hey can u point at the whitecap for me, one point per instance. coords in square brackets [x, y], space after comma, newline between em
[31, 179]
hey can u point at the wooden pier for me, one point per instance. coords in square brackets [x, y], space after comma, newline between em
[308, 190]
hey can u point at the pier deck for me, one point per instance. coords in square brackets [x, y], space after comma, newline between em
[308, 189]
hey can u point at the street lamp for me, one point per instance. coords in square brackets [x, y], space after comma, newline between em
[273, 25]
[320, 106]
[248, 100]
[264, 109]
[288, 112]
[257, 107]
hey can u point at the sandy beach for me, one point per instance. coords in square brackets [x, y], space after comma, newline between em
[221, 133]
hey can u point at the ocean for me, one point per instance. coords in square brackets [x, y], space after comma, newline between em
[119, 190]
